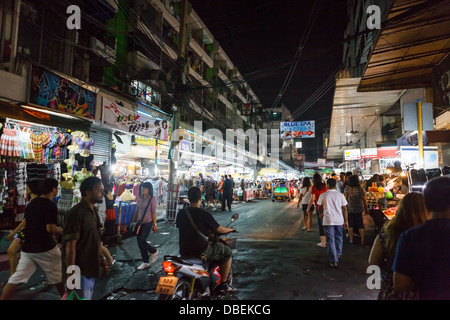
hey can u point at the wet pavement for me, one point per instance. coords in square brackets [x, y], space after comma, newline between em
[274, 259]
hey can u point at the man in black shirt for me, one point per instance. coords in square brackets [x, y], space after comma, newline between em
[40, 246]
[81, 239]
[193, 244]
[227, 192]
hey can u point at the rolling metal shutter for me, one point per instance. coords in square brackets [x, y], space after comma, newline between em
[101, 150]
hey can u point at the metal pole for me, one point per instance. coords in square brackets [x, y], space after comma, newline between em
[419, 133]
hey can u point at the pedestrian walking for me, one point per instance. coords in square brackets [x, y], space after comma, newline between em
[304, 199]
[422, 259]
[146, 211]
[410, 213]
[340, 182]
[18, 234]
[317, 189]
[40, 247]
[81, 238]
[334, 220]
[357, 206]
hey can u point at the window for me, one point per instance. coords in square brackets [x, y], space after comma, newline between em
[145, 93]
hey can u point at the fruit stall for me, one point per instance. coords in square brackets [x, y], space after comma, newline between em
[382, 205]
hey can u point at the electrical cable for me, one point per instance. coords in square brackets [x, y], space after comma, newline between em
[298, 53]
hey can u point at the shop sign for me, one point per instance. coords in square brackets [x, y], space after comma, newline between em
[387, 152]
[410, 156]
[120, 118]
[185, 146]
[51, 91]
[298, 129]
[309, 172]
[327, 164]
[352, 154]
[145, 141]
[369, 153]
[298, 145]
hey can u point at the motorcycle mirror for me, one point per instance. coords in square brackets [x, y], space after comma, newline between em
[234, 217]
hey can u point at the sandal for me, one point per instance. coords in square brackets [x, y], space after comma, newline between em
[352, 241]
[363, 243]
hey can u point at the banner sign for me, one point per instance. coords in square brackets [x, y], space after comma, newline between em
[298, 129]
[387, 152]
[369, 153]
[120, 118]
[54, 92]
[352, 154]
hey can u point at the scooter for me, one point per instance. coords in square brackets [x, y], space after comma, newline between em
[190, 278]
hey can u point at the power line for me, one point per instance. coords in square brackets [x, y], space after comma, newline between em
[298, 53]
[318, 94]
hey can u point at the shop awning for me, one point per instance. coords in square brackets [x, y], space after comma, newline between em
[268, 171]
[415, 40]
[15, 111]
[355, 112]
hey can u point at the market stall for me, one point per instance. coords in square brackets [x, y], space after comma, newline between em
[33, 151]
[383, 201]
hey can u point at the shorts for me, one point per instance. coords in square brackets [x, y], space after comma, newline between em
[217, 252]
[355, 221]
[305, 207]
[49, 261]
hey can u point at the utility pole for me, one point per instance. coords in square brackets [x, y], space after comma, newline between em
[419, 134]
[180, 98]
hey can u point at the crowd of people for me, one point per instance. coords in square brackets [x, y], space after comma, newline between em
[411, 249]
[78, 242]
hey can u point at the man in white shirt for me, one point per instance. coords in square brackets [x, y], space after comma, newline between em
[334, 220]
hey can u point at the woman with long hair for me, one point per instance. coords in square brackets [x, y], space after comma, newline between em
[357, 206]
[411, 212]
[318, 188]
[304, 198]
[146, 211]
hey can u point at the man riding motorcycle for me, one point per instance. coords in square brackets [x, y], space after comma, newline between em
[194, 244]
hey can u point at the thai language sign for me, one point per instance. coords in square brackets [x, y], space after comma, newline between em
[298, 129]
[352, 154]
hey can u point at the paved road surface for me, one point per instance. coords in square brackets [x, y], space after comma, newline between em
[274, 259]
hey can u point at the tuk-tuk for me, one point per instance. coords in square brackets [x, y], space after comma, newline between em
[280, 190]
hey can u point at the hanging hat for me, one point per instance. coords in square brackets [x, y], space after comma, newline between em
[127, 196]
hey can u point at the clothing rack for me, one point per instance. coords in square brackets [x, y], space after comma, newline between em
[32, 126]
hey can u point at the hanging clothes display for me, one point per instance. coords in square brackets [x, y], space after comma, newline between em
[10, 143]
[35, 152]
[110, 220]
[67, 200]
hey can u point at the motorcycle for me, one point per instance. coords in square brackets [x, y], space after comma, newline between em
[190, 278]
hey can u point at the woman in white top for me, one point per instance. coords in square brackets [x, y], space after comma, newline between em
[304, 198]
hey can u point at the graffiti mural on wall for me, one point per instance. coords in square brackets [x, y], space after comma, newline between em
[52, 91]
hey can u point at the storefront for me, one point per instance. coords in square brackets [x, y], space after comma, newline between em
[36, 143]
[140, 144]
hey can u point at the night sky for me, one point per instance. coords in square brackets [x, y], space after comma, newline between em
[261, 38]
